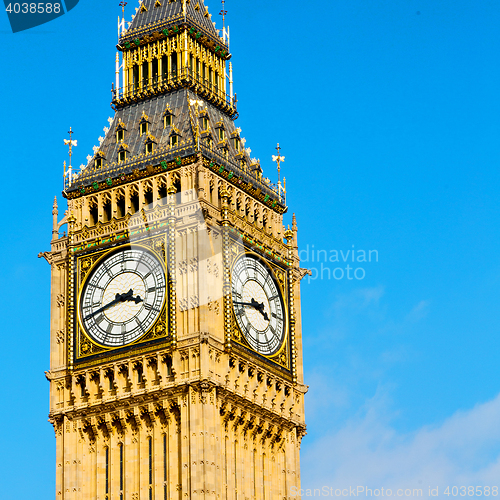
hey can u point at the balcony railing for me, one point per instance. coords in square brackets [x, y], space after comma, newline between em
[184, 78]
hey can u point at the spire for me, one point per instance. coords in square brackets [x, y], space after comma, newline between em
[295, 230]
[55, 212]
[154, 15]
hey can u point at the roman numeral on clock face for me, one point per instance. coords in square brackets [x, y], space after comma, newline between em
[114, 310]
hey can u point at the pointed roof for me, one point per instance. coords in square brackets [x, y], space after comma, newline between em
[155, 15]
[225, 154]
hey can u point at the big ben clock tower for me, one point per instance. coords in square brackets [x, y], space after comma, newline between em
[176, 339]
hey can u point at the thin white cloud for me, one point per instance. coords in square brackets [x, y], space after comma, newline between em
[419, 312]
[368, 451]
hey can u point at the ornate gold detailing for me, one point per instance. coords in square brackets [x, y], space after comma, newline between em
[85, 347]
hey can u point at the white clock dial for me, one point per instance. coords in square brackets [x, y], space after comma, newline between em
[258, 305]
[122, 297]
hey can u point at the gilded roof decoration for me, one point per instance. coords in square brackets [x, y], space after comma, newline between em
[154, 18]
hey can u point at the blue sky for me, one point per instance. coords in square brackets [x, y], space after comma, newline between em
[388, 116]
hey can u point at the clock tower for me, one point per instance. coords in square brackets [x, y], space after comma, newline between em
[176, 336]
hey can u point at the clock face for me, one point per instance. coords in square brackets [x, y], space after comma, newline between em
[258, 305]
[122, 297]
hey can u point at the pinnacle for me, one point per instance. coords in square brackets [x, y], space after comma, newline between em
[151, 15]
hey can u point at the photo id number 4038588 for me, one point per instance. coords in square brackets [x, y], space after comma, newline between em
[471, 491]
[33, 8]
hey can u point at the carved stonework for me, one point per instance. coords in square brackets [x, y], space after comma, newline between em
[60, 300]
[185, 377]
[214, 305]
[60, 336]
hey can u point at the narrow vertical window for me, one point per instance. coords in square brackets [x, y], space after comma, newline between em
[107, 472]
[150, 446]
[174, 64]
[135, 77]
[134, 203]
[154, 76]
[145, 74]
[120, 204]
[121, 471]
[164, 68]
[107, 210]
[164, 466]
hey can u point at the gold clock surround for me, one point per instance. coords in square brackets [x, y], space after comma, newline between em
[87, 348]
[282, 356]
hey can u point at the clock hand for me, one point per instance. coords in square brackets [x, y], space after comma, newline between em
[131, 298]
[119, 297]
[260, 307]
[243, 303]
[256, 305]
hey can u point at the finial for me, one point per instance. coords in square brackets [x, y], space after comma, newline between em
[294, 223]
[223, 14]
[121, 24]
[123, 5]
[69, 142]
[54, 206]
[278, 159]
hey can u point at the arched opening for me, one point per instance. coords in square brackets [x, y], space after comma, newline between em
[94, 214]
[177, 185]
[135, 76]
[154, 72]
[107, 210]
[145, 74]
[162, 193]
[120, 206]
[134, 203]
[164, 68]
[174, 64]
[148, 198]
